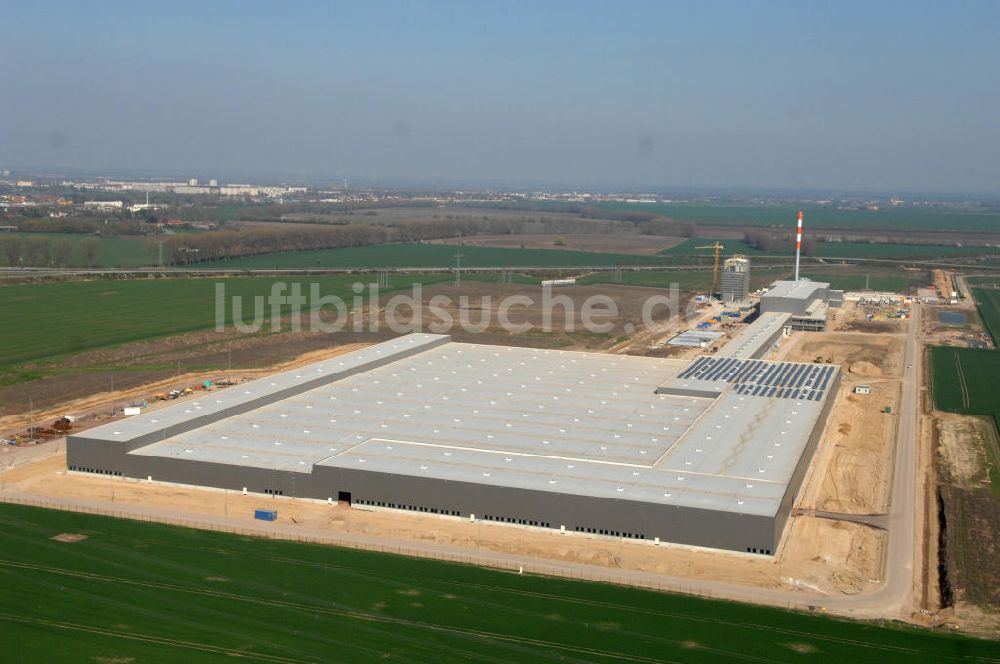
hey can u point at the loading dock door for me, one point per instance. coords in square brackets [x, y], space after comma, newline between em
[344, 497]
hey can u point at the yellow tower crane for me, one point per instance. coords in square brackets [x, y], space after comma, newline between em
[715, 273]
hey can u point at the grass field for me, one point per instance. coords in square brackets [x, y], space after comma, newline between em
[922, 219]
[112, 251]
[432, 255]
[891, 280]
[988, 302]
[153, 593]
[897, 251]
[976, 369]
[964, 381]
[50, 319]
[44, 321]
[690, 246]
[685, 279]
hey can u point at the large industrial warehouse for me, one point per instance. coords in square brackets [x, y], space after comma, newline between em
[710, 453]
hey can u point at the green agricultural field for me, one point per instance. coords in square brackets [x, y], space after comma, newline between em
[690, 246]
[685, 279]
[879, 279]
[988, 301]
[965, 380]
[44, 321]
[51, 319]
[903, 218]
[895, 251]
[430, 255]
[142, 592]
[898, 251]
[112, 251]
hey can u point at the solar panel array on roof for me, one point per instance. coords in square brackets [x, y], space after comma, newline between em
[787, 380]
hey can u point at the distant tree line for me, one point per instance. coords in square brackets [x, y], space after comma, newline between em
[82, 225]
[216, 245]
[186, 249]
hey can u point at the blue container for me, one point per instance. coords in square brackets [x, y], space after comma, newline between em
[266, 515]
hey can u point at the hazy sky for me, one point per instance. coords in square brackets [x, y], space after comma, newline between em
[870, 95]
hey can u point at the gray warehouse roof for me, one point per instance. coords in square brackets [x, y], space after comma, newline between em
[748, 343]
[799, 290]
[556, 421]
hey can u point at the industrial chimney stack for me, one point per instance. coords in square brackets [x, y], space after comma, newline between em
[798, 245]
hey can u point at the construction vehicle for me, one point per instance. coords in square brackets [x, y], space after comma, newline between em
[63, 424]
[715, 272]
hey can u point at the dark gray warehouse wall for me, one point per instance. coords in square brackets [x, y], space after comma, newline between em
[83, 452]
[221, 476]
[684, 525]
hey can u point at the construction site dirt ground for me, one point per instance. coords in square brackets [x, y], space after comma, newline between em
[848, 474]
[817, 554]
[852, 468]
[851, 317]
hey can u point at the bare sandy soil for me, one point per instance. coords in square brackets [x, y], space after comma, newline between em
[624, 243]
[850, 317]
[962, 445]
[818, 554]
[861, 355]
[570, 332]
[851, 470]
[823, 555]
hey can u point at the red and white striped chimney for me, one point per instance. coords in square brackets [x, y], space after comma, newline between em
[798, 245]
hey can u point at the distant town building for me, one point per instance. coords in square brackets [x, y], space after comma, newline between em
[193, 182]
[213, 183]
[104, 204]
[239, 190]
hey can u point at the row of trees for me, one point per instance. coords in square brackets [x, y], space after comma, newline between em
[666, 226]
[771, 243]
[41, 251]
[215, 245]
[81, 225]
[188, 249]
